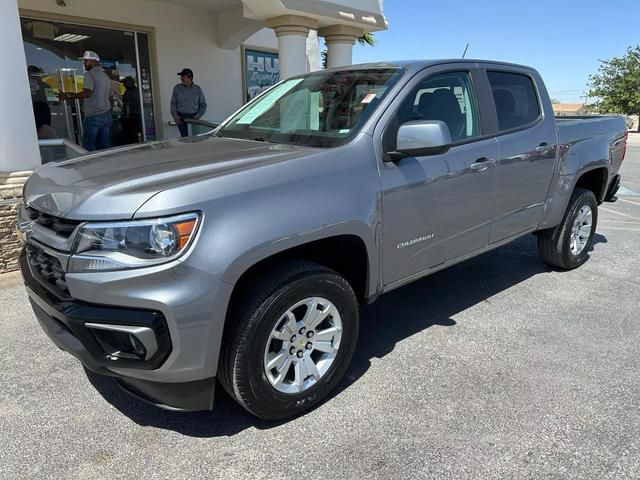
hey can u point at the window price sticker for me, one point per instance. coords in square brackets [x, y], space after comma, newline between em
[368, 98]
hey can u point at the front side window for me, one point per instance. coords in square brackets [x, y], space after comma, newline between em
[515, 99]
[323, 109]
[447, 97]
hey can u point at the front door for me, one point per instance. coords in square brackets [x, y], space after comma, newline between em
[52, 50]
[437, 208]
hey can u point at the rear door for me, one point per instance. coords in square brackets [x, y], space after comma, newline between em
[526, 135]
[437, 207]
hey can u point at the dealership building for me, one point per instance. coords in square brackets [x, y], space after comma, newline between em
[236, 48]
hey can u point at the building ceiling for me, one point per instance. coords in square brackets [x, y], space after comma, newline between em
[212, 5]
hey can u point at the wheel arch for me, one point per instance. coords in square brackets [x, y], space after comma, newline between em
[357, 268]
[594, 179]
[346, 254]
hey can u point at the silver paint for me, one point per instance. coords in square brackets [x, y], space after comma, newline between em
[258, 199]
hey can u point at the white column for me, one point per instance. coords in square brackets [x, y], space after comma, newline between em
[339, 51]
[313, 51]
[340, 40]
[292, 47]
[292, 32]
[18, 138]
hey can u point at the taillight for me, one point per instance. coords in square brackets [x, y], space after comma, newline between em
[624, 149]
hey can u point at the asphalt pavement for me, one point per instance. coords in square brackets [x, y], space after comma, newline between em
[496, 368]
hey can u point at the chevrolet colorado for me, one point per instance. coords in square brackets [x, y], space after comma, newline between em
[242, 255]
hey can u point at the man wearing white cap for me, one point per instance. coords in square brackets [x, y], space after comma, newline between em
[98, 100]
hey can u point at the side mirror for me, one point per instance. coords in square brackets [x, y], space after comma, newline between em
[421, 137]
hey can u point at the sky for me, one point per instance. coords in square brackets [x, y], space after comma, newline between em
[562, 39]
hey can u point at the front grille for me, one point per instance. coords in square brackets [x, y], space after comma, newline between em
[60, 226]
[47, 270]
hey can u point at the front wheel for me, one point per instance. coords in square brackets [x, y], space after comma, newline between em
[290, 341]
[567, 245]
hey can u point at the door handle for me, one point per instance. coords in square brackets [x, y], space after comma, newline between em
[542, 147]
[480, 165]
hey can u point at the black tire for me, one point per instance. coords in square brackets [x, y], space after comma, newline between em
[252, 318]
[554, 244]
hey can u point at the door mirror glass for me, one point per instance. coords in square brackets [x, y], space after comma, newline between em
[422, 137]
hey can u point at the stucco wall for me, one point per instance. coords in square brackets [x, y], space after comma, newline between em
[184, 37]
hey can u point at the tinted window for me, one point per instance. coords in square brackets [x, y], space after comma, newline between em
[447, 97]
[515, 98]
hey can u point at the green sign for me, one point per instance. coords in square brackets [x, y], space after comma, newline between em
[261, 71]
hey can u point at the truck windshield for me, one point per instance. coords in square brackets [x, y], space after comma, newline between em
[323, 109]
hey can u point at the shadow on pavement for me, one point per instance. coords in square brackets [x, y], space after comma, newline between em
[434, 300]
[227, 419]
[598, 238]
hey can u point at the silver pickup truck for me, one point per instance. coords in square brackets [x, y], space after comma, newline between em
[242, 255]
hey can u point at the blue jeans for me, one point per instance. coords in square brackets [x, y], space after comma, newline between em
[184, 127]
[97, 131]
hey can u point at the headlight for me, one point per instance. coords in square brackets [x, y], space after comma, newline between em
[138, 243]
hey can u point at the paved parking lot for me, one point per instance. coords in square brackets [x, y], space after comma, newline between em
[496, 368]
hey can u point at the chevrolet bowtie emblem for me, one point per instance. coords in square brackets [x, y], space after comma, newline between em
[23, 231]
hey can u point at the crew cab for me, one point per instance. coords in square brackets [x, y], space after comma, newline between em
[241, 256]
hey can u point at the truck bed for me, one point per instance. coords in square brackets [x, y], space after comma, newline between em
[585, 134]
[595, 121]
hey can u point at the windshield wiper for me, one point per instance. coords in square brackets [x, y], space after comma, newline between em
[262, 139]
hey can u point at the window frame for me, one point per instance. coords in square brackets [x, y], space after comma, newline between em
[474, 104]
[485, 115]
[485, 70]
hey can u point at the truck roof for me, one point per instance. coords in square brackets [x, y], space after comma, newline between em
[421, 64]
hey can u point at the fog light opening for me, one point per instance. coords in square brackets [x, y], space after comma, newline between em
[138, 347]
[122, 342]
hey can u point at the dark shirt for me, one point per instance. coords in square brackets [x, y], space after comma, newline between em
[131, 103]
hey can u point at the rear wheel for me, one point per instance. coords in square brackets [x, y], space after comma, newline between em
[290, 340]
[568, 244]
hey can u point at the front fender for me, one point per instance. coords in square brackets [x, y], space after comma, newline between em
[251, 215]
[269, 248]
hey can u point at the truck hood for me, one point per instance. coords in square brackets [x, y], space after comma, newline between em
[113, 184]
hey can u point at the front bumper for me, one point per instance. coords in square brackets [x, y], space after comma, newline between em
[164, 378]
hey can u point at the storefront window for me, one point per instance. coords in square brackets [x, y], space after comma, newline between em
[52, 50]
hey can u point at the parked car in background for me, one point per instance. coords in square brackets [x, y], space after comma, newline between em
[629, 122]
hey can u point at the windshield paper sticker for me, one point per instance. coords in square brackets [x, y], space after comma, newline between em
[368, 98]
[267, 101]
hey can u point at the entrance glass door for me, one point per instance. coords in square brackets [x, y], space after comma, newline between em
[52, 50]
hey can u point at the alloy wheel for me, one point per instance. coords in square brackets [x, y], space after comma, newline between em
[303, 345]
[581, 230]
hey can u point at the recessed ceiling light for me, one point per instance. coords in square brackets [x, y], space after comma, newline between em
[71, 38]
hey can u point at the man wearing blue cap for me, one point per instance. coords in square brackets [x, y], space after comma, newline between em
[187, 101]
[98, 101]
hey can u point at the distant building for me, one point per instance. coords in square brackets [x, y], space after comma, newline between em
[566, 109]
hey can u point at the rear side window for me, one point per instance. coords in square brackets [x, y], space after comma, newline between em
[515, 98]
